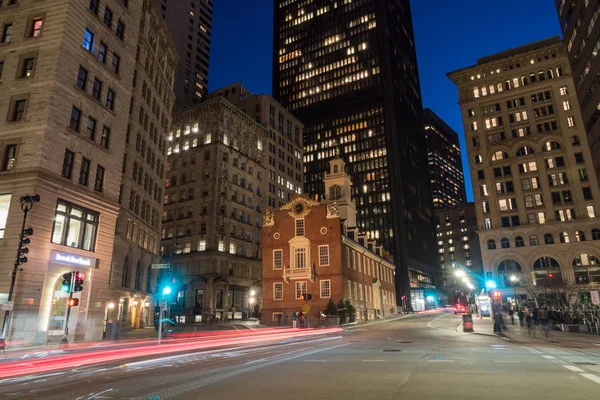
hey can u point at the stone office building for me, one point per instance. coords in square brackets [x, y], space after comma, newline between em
[67, 70]
[534, 182]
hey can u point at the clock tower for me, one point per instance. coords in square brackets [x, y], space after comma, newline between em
[338, 191]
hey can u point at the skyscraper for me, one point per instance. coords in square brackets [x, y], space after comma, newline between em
[582, 38]
[348, 71]
[445, 167]
[190, 25]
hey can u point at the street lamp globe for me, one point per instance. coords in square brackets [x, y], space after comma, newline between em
[460, 273]
[253, 293]
[251, 300]
[513, 278]
[490, 284]
[111, 306]
[166, 291]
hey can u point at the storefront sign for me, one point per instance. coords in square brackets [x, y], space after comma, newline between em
[73, 259]
[161, 266]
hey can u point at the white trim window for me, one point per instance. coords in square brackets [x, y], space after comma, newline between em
[355, 286]
[299, 227]
[324, 255]
[325, 289]
[300, 288]
[277, 259]
[202, 245]
[278, 291]
[277, 316]
[299, 257]
[349, 289]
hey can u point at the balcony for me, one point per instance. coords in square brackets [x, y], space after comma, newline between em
[299, 273]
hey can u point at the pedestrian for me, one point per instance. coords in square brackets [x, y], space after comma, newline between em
[521, 315]
[294, 320]
[285, 318]
[301, 319]
[530, 325]
[544, 321]
[511, 313]
[279, 318]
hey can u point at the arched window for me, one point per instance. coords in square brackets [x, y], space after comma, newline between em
[559, 71]
[125, 278]
[524, 151]
[508, 268]
[575, 140]
[550, 74]
[476, 92]
[547, 271]
[579, 236]
[564, 237]
[596, 234]
[499, 155]
[533, 240]
[335, 192]
[138, 277]
[478, 159]
[519, 242]
[587, 268]
[548, 238]
[505, 243]
[484, 91]
[491, 244]
[149, 279]
[541, 76]
[335, 169]
[551, 145]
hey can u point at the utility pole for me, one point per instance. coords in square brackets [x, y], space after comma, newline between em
[27, 203]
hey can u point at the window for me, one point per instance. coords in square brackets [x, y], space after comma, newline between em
[10, 155]
[564, 237]
[323, 255]
[505, 243]
[300, 289]
[533, 240]
[105, 138]
[566, 105]
[325, 288]
[120, 29]
[88, 40]
[36, 27]
[300, 258]
[491, 244]
[94, 6]
[570, 122]
[75, 119]
[110, 99]
[563, 91]
[519, 242]
[68, 160]
[591, 211]
[548, 238]
[551, 146]
[278, 291]
[4, 207]
[116, 61]
[575, 141]
[6, 33]
[81, 78]
[18, 110]
[75, 226]
[299, 227]
[96, 89]
[102, 52]
[27, 67]
[91, 128]
[108, 17]
[277, 259]
[99, 183]
[84, 172]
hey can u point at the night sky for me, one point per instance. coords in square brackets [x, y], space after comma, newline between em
[449, 35]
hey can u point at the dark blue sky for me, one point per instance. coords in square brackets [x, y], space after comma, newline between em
[449, 35]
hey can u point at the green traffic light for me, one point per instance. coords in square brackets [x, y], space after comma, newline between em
[166, 290]
[66, 289]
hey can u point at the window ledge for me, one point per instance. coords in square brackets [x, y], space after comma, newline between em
[82, 136]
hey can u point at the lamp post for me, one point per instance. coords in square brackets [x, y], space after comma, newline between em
[165, 292]
[27, 203]
[513, 281]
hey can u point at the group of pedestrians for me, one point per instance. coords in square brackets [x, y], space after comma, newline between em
[527, 317]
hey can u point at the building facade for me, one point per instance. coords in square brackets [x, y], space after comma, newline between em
[213, 210]
[284, 144]
[581, 36]
[67, 70]
[534, 182]
[190, 25]
[306, 249]
[348, 71]
[138, 231]
[459, 250]
[445, 164]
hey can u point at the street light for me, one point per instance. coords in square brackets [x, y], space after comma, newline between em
[27, 203]
[490, 284]
[253, 293]
[109, 306]
[251, 300]
[165, 292]
[460, 273]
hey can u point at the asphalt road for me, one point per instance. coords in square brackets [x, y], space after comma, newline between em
[420, 357]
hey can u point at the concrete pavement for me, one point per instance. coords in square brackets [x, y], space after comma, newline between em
[421, 357]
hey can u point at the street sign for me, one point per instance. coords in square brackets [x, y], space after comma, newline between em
[161, 266]
[8, 306]
[306, 309]
[595, 297]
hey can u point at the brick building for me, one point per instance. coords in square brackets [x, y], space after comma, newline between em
[312, 247]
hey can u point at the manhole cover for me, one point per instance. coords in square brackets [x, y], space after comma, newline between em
[584, 363]
[392, 351]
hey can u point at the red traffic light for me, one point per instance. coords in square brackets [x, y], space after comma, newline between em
[80, 275]
[404, 296]
[550, 275]
[302, 297]
[497, 294]
[73, 302]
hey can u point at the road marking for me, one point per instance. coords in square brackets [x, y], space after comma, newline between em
[572, 368]
[549, 357]
[373, 360]
[315, 360]
[507, 361]
[431, 322]
[440, 360]
[591, 377]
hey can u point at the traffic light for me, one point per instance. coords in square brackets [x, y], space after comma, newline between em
[78, 282]
[66, 285]
[73, 302]
[23, 244]
[550, 275]
[497, 293]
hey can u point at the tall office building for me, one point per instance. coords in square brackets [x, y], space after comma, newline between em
[137, 236]
[67, 72]
[348, 71]
[445, 165]
[581, 36]
[190, 25]
[534, 183]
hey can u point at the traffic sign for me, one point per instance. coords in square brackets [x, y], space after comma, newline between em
[161, 266]
[8, 306]
[306, 309]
